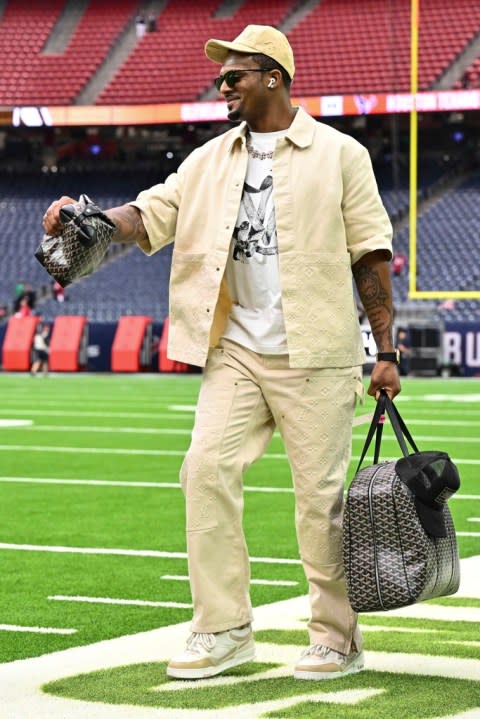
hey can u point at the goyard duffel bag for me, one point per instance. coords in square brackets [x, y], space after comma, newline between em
[399, 544]
[81, 247]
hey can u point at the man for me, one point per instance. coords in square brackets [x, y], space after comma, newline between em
[41, 349]
[269, 220]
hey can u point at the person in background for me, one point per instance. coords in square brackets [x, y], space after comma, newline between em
[151, 23]
[24, 309]
[403, 344]
[58, 291]
[399, 263]
[140, 26]
[41, 350]
[19, 293]
[277, 331]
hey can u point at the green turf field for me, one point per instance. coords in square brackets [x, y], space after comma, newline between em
[92, 523]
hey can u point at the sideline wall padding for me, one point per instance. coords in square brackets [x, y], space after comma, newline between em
[68, 345]
[165, 364]
[132, 344]
[17, 345]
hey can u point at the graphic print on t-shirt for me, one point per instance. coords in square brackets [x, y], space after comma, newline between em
[255, 232]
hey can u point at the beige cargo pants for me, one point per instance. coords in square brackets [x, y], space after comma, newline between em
[243, 397]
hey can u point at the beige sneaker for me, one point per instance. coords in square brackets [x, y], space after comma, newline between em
[319, 662]
[209, 654]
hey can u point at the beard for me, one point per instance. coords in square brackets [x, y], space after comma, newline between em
[234, 116]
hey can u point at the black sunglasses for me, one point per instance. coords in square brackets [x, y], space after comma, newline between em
[233, 76]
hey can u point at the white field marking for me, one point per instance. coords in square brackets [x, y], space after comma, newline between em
[428, 438]
[35, 630]
[112, 600]
[108, 430]
[21, 680]
[260, 709]
[161, 485]
[473, 519]
[140, 485]
[93, 482]
[33, 410]
[468, 534]
[473, 398]
[469, 578]
[266, 582]
[182, 407]
[86, 401]
[139, 430]
[361, 419]
[95, 429]
[156, 452]
[82, 413]
[402, 630]
[127, 552]
[463, 412]
[435, 612]
[15, 423]
[92, 450]
[445, 423]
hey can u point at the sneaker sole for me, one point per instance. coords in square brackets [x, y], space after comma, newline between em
[246, 655]
[356, 666]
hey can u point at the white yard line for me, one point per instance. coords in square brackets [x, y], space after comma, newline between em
[140, 485]
[266, 582]
[21, 680]
[158, 485]
[155, 452]
[15, 423]
[34, 411]
[113, 600]
[106, 430]
[35, 630]
[424, 438]
[127, 552]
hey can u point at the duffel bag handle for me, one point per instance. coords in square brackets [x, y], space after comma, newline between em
[385, 404]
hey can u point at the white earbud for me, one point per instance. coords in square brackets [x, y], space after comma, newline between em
[271, 82]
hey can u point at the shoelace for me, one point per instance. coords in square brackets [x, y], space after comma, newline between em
[197, 641]
[319, 650]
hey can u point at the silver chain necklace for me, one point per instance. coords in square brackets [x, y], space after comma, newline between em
[256, 153]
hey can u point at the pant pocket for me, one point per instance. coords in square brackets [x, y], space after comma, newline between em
[198, 482]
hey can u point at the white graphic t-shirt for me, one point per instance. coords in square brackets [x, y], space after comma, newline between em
[256, 319]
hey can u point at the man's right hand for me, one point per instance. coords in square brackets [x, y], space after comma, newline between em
[52, 223]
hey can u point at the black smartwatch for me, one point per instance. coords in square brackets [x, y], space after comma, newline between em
[389, 356]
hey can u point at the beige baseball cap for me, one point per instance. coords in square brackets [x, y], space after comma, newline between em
[255, 39]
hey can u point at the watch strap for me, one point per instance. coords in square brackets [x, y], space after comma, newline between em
[389, 356]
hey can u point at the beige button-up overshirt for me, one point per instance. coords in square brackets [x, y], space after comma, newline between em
[328, 214]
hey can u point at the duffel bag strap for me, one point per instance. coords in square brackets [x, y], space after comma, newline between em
[384, 403]
[399, 426]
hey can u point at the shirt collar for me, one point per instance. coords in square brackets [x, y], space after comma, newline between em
[300, 132]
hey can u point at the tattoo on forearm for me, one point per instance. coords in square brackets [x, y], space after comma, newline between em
[377, 303]
[128, 221]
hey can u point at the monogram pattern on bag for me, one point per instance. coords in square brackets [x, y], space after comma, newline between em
[65, 257]
[390, 561]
